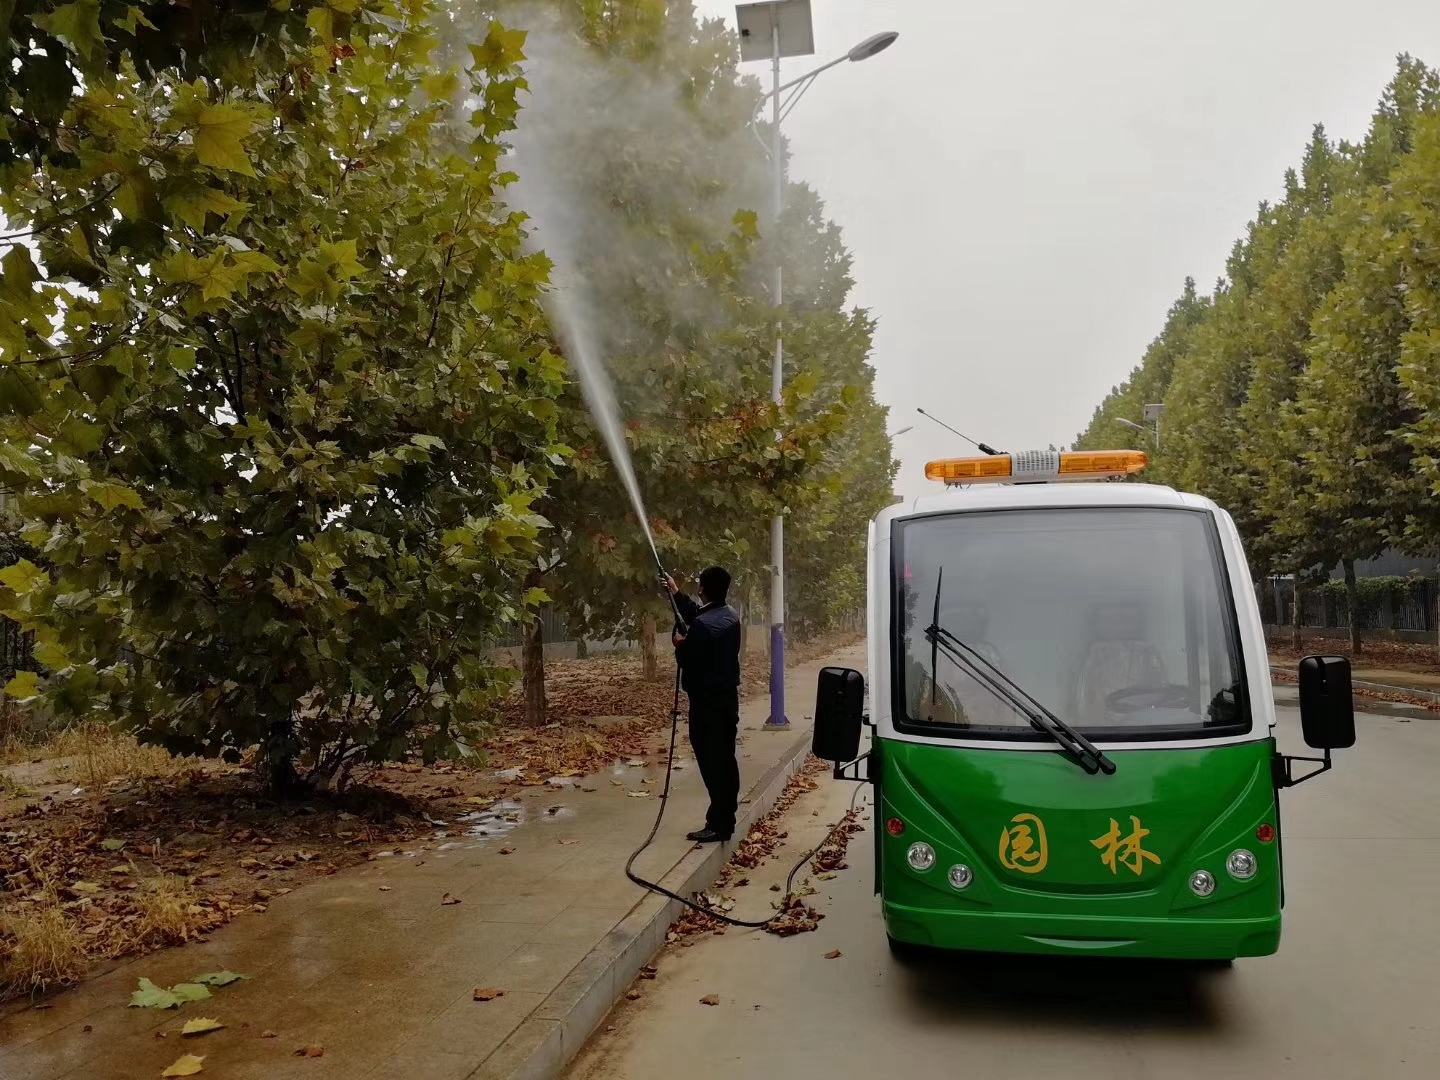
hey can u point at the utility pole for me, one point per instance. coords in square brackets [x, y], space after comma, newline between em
[772, 30]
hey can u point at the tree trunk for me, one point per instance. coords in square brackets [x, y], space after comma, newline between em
[1352, 602]
[532, 662]
[650, 662]
[279, 754]
[1296, 638]
[582, 649]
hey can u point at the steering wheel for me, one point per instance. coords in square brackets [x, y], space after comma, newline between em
[1132, 699]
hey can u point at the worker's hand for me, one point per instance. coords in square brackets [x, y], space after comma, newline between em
[670, 585]
[677, 639]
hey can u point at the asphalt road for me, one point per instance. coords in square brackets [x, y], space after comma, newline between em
[1353, 993]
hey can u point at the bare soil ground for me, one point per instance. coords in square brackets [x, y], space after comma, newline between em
[108, 849]
[1421, 659]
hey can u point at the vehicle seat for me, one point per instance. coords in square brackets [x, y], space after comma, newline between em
[1118, 656]
[959, 699]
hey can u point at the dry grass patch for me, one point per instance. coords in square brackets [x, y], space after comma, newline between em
[93, 755]
[169, 913]
[40, 947]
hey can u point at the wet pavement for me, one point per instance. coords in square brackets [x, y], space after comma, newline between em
[374, 968]
[1350, 996]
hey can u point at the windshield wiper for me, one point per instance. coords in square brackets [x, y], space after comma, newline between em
[1080, 749]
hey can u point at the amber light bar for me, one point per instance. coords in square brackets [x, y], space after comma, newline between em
[1037, 466]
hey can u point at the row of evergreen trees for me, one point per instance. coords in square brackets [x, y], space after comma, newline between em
[1303, 393]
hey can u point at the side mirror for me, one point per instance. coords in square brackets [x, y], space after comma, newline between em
[1327, 709]
[839, 707]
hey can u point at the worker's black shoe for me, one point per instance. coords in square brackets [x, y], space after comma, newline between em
[707, 836]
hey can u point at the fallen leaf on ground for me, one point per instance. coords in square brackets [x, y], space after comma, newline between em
[187, 1065]
[710, 999]
[507, 850]
[638, 794]
[310, 1052]
[267, 1034]
[635, 762]
[567, 843]
[200, 1025]
[447, 900]
[618, 783]
[86, 887]
[489, 994]
[219, 978]
[825, 877]
[112, 844]
[774, 888]
[632, 995]
[190, 991]
[385, 888]
[150, 996]
[834, 954]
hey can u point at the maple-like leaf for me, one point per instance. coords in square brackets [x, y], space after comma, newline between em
[219, 134]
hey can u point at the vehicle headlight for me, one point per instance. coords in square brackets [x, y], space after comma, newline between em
[920, 857]
[961, 876]
[1241, 864]
[1202, 883]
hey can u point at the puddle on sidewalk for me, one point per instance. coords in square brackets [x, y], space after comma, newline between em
[495, 820]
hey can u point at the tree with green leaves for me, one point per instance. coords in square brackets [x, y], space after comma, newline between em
[1415, 187]
[275, 395]
[1148, 383]
[643, 178]
[1301, 403]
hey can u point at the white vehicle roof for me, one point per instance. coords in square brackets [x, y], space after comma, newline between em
[953, 498]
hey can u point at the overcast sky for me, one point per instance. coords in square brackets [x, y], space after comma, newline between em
[1026, 186]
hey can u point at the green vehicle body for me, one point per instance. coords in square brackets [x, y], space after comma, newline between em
[1177, 853]
[1197, 806]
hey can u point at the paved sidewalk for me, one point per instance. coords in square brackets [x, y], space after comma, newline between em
[371, 966]
[1383, 680]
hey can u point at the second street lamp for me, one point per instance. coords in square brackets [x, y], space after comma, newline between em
[770, 31]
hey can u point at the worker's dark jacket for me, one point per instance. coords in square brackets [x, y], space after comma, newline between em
[710, 654]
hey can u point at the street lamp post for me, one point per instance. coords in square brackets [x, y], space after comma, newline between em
[1152, 413]
[772, 30]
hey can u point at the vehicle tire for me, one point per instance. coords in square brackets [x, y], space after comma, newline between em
[1216, 965]
[904, 951]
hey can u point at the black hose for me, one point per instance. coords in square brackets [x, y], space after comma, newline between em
[660, 815]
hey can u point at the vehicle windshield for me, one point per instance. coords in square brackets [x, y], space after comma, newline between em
[1117, 620]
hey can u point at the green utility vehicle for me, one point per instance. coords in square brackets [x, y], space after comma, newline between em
[1073, 734]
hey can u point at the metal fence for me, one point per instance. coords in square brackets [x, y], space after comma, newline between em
[15, 650]
[1412, 610]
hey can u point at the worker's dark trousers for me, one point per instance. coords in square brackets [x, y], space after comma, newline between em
[714, 719]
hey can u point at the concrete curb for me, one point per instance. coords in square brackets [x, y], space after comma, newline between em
[1374, 687]
[545, 1042]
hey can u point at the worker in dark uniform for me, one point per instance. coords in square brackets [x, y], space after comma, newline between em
[709, 657]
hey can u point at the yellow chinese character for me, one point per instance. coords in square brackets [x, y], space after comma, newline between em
[1128, 849]
[1022, 845]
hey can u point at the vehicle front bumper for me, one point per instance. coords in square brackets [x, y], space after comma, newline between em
[1169, 938]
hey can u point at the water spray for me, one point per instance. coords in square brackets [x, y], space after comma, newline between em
[605, 410]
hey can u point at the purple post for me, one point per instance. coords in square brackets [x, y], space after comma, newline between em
[778, 721]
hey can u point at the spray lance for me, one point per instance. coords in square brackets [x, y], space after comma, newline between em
[682, 629]
[604, 409]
